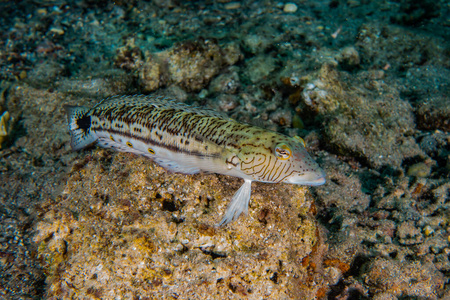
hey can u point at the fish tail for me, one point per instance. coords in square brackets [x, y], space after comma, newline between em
[79, 121]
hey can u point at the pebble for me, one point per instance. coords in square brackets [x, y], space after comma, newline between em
[419, 170]
[290, 8]
[233, 5]
[227, 102]
[428, 230]
[42, 11]
[57, 30]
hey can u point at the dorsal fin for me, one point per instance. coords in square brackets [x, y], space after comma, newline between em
[164, 103]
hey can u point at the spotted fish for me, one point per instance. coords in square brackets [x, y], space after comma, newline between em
[189, 140]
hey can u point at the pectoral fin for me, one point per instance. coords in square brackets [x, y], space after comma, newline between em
[239, 203]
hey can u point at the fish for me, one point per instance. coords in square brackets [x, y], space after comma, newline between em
[189, 140]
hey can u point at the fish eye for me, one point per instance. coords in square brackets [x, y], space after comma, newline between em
[283, 152]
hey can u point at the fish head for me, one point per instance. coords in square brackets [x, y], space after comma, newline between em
[280, 158]
[301, 167]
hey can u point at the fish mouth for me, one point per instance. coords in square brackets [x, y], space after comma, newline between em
[317, 177]
[320, 178]
[318, 181]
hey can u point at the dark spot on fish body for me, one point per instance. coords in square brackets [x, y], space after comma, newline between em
[84, 122]
[236, 146]
[173, 131]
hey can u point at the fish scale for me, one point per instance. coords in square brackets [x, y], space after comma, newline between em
[189, 140]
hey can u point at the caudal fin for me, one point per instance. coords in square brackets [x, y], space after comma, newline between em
[79, 126]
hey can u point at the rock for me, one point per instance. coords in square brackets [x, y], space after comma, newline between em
[45, 74]
[377, 129]
[259, 67]
[228, 83]
[192, 65]
[290, 8]
[382, 44]
[348, 57]
[434, 113]
[428, 87]
[227, 102]
[422, 169]
[5, 127]
[256, 43]
[409, 234]
[282, 117]
[232, 5]
[408, 279]
[129, 57]
[125, 227]
[151, 74]
[106, 84]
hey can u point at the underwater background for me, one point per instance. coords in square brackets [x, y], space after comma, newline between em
[365, 83]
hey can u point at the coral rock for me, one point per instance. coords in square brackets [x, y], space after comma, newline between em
[127, 228]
